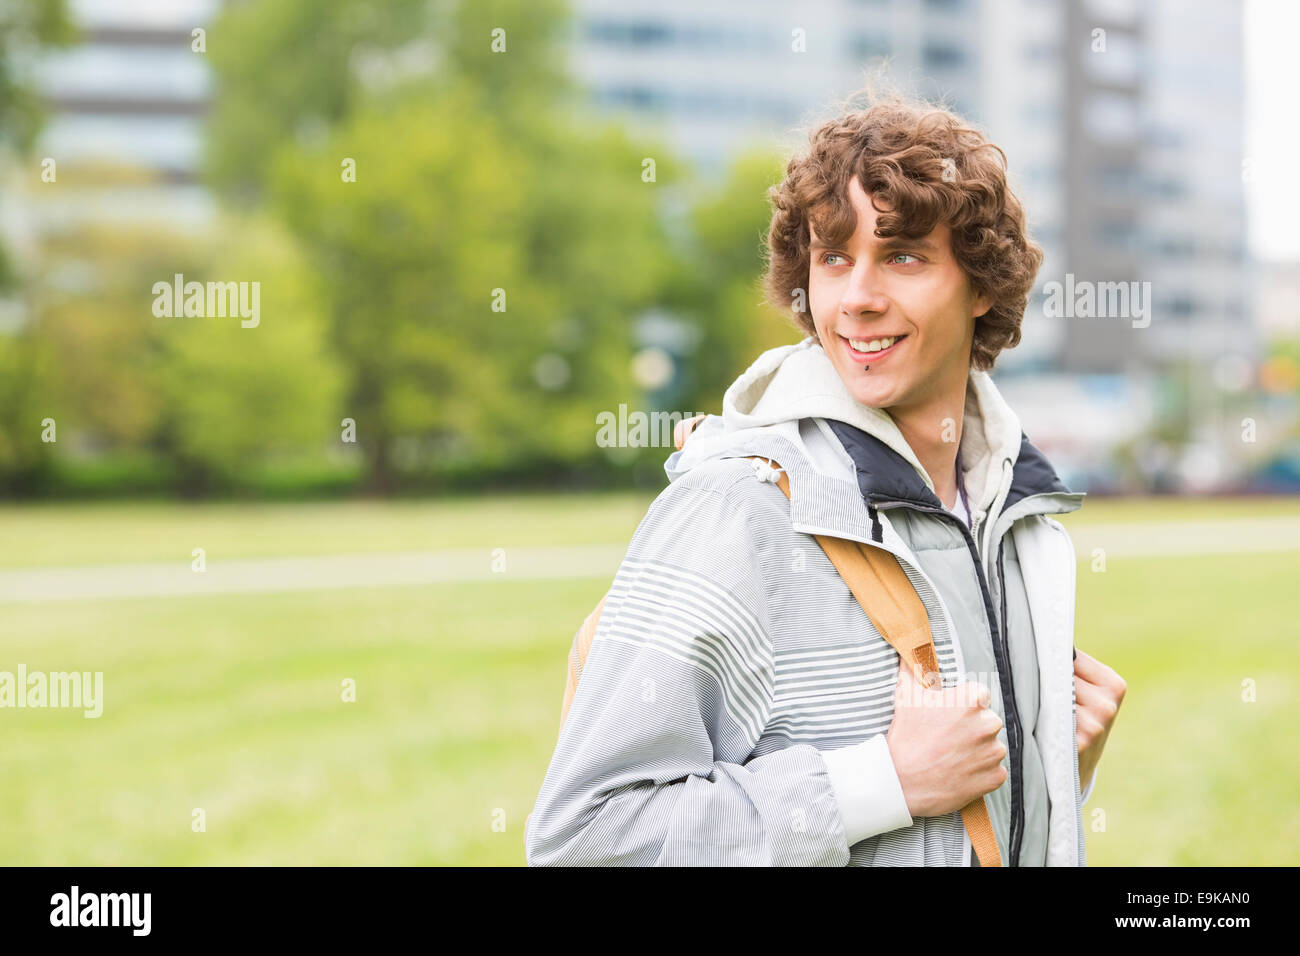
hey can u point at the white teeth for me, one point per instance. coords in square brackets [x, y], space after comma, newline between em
[875, 345]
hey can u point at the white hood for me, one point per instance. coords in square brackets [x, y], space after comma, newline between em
[798, 381]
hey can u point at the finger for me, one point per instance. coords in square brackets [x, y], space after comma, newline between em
[995, 724]
[683, 429]
[966, 694]
[1093, 669]
[1089, 729]
[1103, 696]
[908, 689]
[1091, 697]
[1085, 692]
[679, 435]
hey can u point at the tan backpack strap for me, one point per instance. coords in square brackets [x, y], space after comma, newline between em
[896, 608]
[582, 639]
[578, 657]
[886, 594]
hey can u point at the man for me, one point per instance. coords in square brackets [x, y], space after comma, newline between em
[737, 706]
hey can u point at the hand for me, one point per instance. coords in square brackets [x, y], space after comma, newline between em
[944, 744]
[682, 430]
[1098, 691]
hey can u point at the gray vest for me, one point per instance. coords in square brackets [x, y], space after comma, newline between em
[944, 556]
[984, 614]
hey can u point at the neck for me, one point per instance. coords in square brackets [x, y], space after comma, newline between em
[933, 431]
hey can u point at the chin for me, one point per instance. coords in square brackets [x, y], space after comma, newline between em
[868, 388]
[873, 398]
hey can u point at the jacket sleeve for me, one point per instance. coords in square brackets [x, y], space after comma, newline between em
[655, 764]
[1087, 793]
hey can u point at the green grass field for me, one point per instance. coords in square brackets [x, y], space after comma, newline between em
[232, 703]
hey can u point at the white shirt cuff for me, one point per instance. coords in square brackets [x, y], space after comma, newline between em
[866, 788]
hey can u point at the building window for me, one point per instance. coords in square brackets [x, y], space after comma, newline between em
[940, 56]
[628, 33]
[863, 46]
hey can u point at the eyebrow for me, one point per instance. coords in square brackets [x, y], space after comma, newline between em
[895, 242]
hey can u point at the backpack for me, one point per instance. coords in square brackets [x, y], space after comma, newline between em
[886, 594]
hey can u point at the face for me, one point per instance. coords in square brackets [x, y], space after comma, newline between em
[896, 316]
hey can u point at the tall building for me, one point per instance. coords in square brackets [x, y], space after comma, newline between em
[1122, 121]
[125, 107]
[122, 136]
[715, 77]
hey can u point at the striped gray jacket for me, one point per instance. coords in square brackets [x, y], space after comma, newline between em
[730, 659]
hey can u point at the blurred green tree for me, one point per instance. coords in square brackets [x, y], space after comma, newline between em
[25, 461]
[717, 280]
[206, 397]
[482, 266]
[235, 397]
[26, 28]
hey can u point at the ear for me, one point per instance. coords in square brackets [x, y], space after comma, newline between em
[982, 304]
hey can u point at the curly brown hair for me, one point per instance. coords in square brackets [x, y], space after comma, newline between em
[927, 166]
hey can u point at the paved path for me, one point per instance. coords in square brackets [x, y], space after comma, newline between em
[254, 575]
[390, 569]
[1172, 538]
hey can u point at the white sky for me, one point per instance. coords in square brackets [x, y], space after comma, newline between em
[1273, 127]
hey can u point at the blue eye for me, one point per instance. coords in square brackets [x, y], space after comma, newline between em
[904, 255]
[830, 255]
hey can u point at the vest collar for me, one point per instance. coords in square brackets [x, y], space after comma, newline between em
[885, 476]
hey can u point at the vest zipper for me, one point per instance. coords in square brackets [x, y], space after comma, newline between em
[997, 628]
[1017, 791]
[1018, 782]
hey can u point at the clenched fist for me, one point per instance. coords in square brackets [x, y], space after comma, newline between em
[1098, 691]
[944, 744]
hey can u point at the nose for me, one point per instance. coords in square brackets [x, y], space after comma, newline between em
[863, 294]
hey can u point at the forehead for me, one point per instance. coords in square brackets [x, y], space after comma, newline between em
[864, 229]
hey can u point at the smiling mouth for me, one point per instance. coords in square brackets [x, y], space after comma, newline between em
[871, 350]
